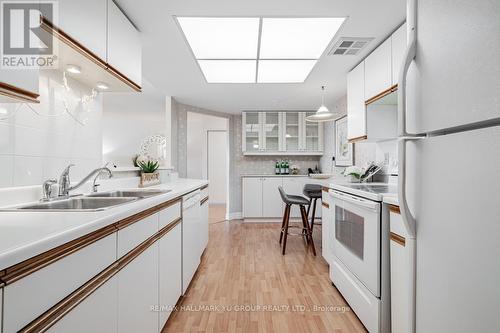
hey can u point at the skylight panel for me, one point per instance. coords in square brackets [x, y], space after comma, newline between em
[284, 71]
[221, 37]
[228, 71]
[297, 38]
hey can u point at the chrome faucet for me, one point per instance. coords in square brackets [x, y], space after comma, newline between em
[65, 184]
[47, 189]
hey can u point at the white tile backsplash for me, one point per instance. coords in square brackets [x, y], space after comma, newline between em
[39, 140]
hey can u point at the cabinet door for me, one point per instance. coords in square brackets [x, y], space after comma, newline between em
[204, 226]
[124, 45]
[26, 79]
[356, 111]
[252, 197]
[271, 131]
[251, 132]
[170, 272]
[294, 186]
[86, 22]
[292, 131]
[326, 221]
[138, 292]
[398, 41]
[378, 73]
[312, 138]
[96, 313]
[272, 204]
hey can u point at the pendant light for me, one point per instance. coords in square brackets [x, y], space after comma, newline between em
[323, 114]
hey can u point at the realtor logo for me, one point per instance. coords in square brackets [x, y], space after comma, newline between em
[24, 42]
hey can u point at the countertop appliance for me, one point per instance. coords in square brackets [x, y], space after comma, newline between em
[449, 159]
[360, 251]
[191, 233]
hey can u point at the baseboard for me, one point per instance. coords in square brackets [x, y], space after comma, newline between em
[234, 216]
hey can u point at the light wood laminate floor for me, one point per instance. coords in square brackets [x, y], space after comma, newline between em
[242, 271]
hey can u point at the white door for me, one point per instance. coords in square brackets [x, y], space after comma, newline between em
[272, 204]
[452, 81]
[190, 239]
[356, 110]
[96, 313]
[137, 292]
[217, 166]
[457, 214]
[378, 73]
[252, 197]
[170, 272]
[356, 241]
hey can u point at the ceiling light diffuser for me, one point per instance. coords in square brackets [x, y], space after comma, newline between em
[297, 38]
[284, 71]
[221, 37]
[228, 71]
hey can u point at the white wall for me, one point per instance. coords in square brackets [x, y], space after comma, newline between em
[129, 118]
[35, 147]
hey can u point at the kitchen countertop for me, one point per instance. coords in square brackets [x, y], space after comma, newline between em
[272, 175]
[27, 234]
[391, 200]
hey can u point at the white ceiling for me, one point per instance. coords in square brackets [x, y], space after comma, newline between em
[170, 66]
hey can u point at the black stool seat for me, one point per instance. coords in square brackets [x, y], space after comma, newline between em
[312, 191]
[290, 200]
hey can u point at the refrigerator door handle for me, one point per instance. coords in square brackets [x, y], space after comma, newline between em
[407, 217]
[408, 58]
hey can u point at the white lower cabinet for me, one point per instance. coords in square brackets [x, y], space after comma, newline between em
[252, 197]
[96, 313]
[327, 226]
[170, 272]
[272, 204]
[401, 249]
[138, 293]
[204, 226]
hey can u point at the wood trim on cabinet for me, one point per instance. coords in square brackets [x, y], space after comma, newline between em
[18, 93]
[47, 319]
[205, 199]
[80, 48]
[359, 138]
[29, 266]
[398, 239]
[382, 94]
[324, 204]
[394, 209]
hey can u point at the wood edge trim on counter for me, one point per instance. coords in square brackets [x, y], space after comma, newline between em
[77, 46]
[382, 94]
[205, 199]
[397, 238]
[359, 138]
[47, 319]
[324, 204]
[325, 189]
[394, 209]
[29, 266]
[203, 187]
[18, 93]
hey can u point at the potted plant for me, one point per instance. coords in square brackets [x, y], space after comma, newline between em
[354, 173]
[149, 173]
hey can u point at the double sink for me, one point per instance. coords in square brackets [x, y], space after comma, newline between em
[91, 202]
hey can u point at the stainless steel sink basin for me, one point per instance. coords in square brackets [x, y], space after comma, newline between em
[128, 193]
[77, 204]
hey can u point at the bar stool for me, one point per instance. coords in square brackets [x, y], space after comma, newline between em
[313, 192]
[290, 200]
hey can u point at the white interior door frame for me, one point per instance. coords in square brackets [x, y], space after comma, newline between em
[227, 162]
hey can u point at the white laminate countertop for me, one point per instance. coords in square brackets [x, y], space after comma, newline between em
[27, 234]
[273, 175]
[391, 200]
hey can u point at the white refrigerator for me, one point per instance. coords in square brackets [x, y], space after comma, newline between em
[449, 150]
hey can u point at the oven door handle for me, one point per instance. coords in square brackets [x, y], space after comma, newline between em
[371, 205]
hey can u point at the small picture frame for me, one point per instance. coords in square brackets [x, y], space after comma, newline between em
[344, 150]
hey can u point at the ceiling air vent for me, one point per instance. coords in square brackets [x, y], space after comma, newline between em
[349, 46]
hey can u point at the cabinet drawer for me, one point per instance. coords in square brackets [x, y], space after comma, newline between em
[204, 192]
[170, 214]
[27, 298]
[396, 224]
[132, 235]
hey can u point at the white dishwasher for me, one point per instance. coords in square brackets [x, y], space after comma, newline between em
[191, 237]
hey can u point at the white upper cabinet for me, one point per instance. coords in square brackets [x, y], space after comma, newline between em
[398, 50]
[252, 129]
[86, 22]
[356, 111]
[18, 85]
[124, 45]
[378, 77]
[292, 131]
[312, 138]
[271, 131]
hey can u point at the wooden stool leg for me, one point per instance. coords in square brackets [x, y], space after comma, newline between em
[287, 207]
[285, 231]
[313, 215]
[309, 235]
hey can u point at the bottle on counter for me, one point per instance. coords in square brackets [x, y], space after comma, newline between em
[287, 167]
[277, 168]
[282, 167]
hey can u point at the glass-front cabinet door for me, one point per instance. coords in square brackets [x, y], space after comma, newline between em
[292, 131]
[252, 129]
[312, 140]
[271, 131]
